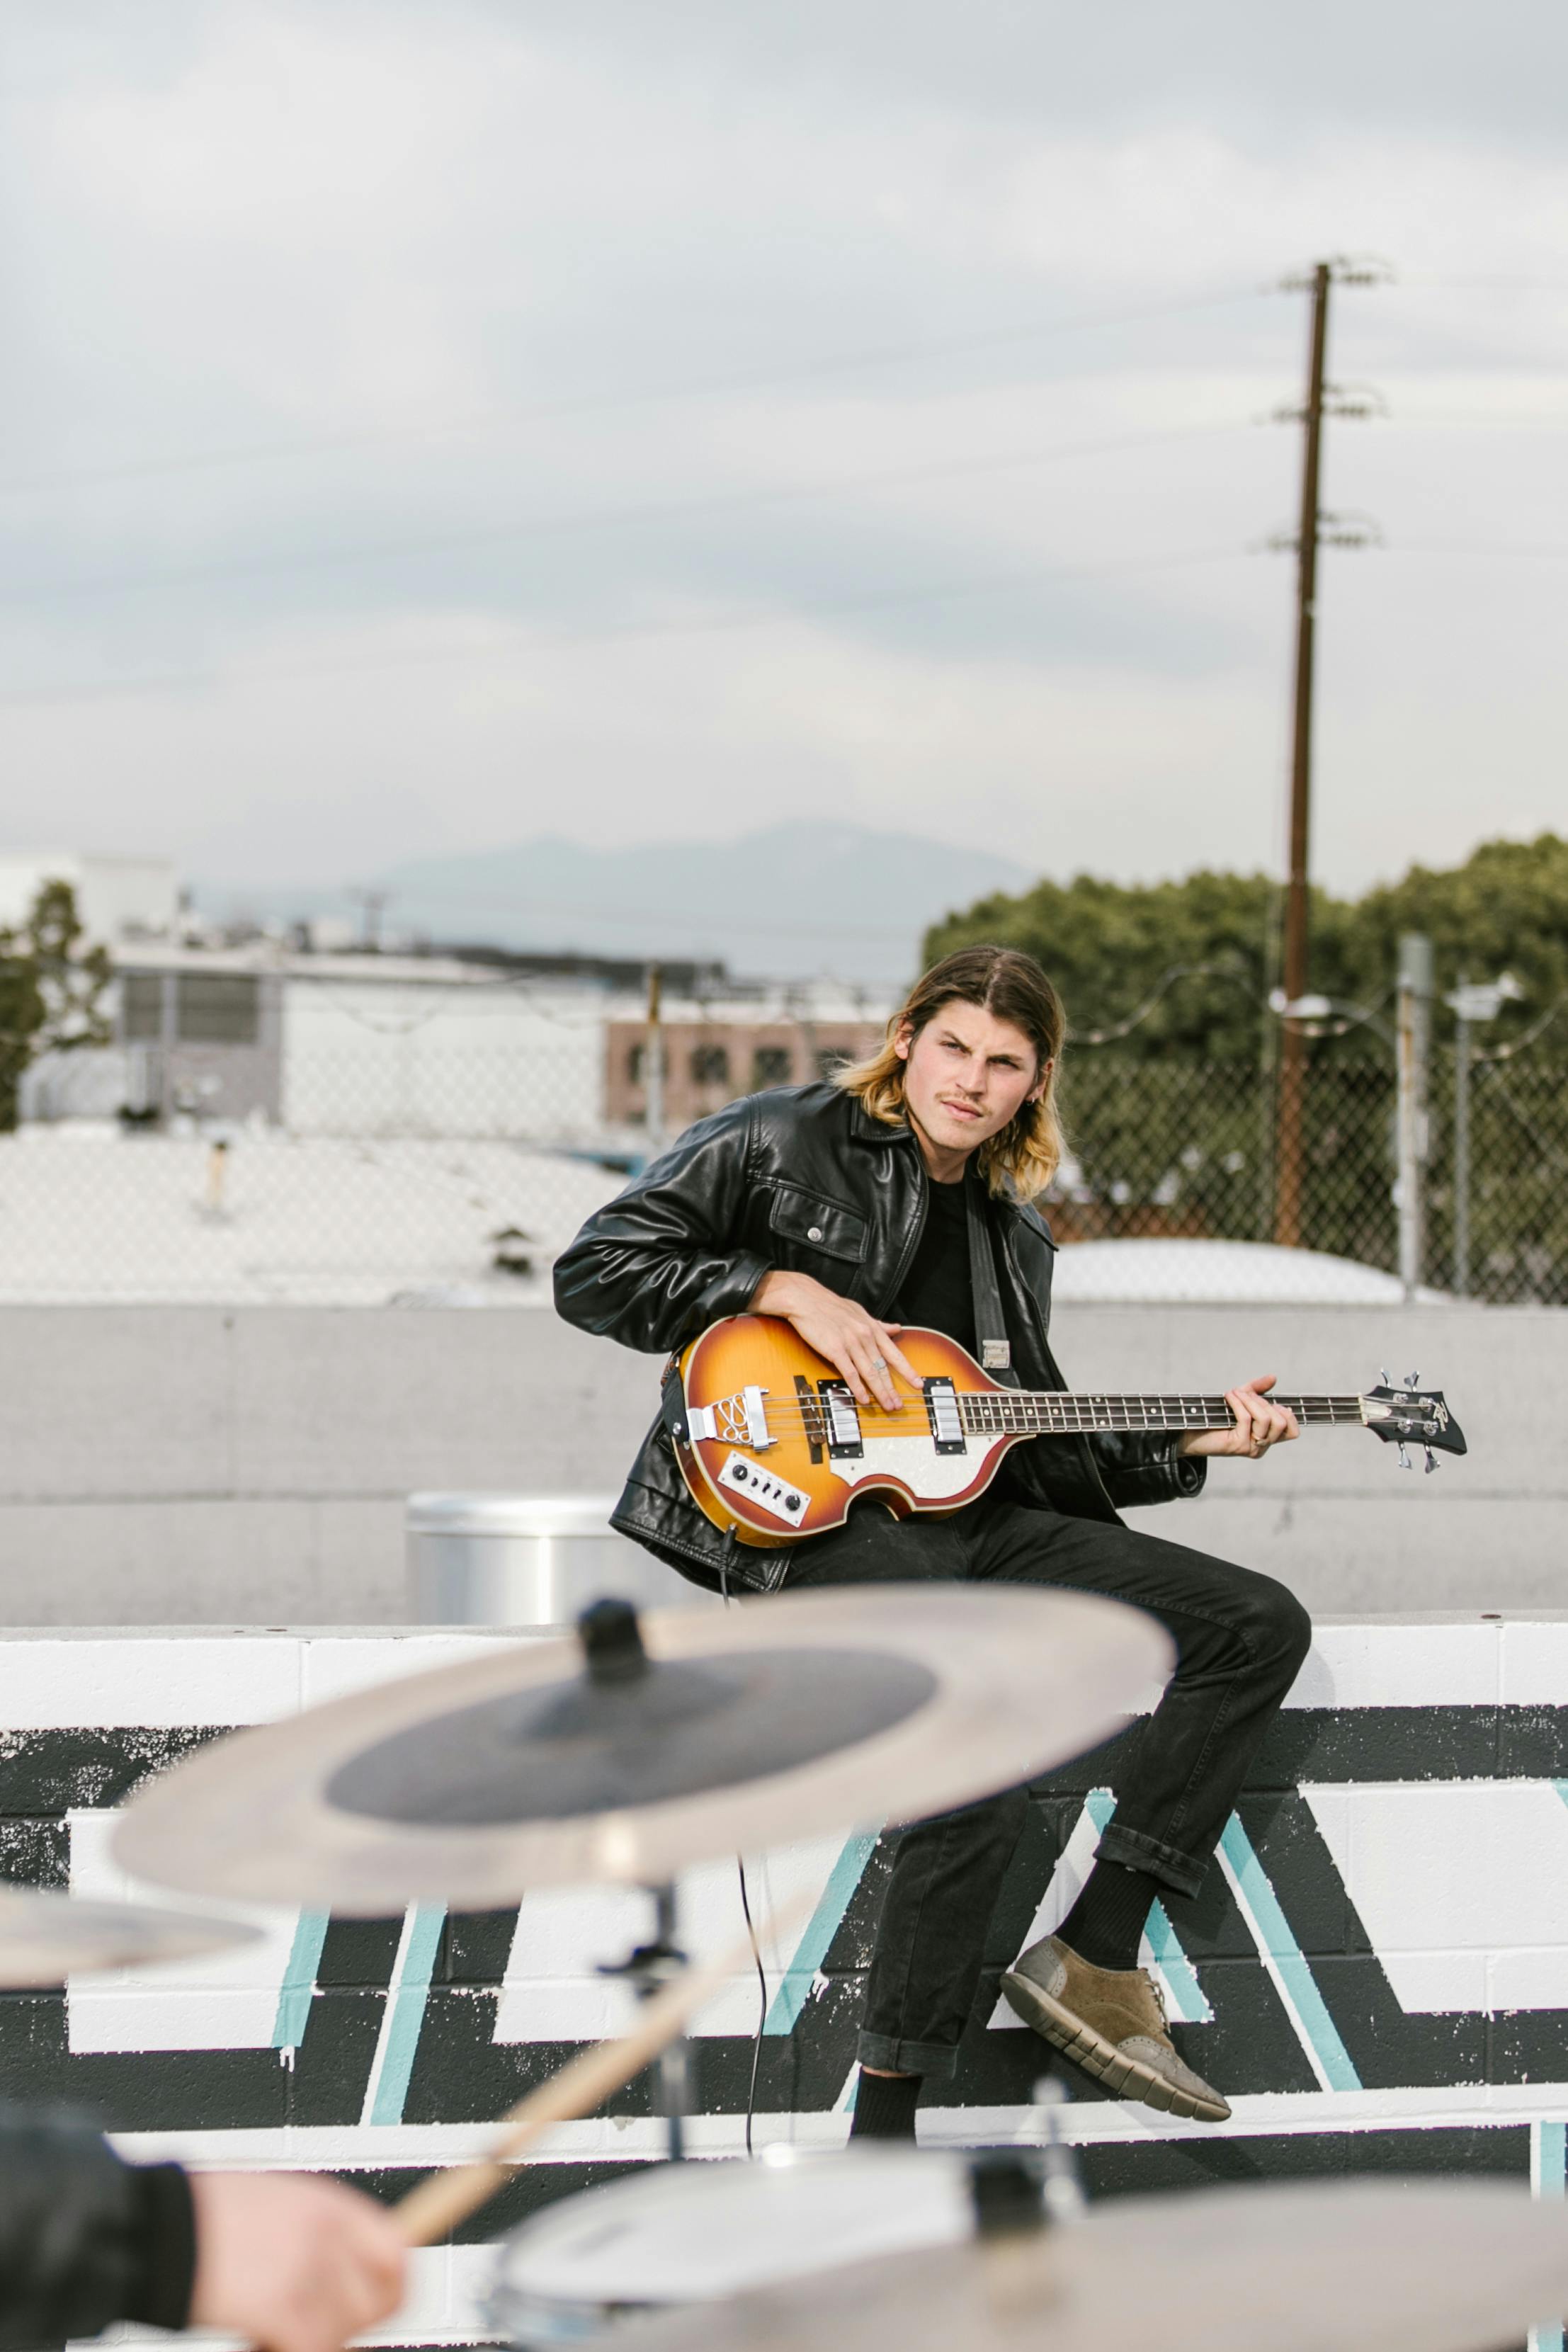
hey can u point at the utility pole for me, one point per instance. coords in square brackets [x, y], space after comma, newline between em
[653, 1064]
[1470, 1004]
[1321, 400]
[372, 904]
[1462, 1002]
[1414, 1016]
[1293, 1044]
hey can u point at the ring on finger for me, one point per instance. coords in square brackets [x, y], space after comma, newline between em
[878, 1363]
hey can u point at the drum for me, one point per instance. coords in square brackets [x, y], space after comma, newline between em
[688, 2233]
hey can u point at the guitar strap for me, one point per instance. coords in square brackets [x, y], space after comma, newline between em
[989, 1324]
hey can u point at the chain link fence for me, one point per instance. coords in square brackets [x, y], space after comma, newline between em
[1186, 1153]
[396, 1173]
[411, 1170]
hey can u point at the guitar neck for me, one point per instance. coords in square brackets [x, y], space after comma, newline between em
[1052, 1413]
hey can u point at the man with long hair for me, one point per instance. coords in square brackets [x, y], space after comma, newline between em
[844, 1207]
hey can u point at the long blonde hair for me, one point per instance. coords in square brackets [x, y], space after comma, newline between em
[1022, 1156]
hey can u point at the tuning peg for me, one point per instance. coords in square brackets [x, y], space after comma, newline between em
[1404, 1461]
[1383, 1375]
[1411, 1379]
[1431, 1461]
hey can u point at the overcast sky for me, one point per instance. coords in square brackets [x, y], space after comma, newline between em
[427, 424]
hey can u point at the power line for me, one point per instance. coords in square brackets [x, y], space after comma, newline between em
[642, 920]
[590, 404]
[1477, 549]
[99, 690]
[606, 518]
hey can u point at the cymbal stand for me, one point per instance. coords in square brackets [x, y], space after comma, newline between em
[649, 1968]
[1062, 2187]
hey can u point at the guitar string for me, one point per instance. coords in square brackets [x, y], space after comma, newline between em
[1085, 1417]
[1050, 1413]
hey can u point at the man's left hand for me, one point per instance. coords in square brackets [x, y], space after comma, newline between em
[1259, 1423]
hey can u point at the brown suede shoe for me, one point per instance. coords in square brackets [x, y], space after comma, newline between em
[1111, 2022]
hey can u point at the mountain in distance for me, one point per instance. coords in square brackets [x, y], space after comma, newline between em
[788, 903]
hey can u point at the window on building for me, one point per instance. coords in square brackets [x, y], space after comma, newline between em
[636, 1063]
[214, 1008]
[833, 1057]
[142, 1006]
[709, 1066]
[771, 1066]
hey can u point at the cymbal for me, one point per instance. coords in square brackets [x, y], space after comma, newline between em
[46, 1936]
[642, 1747]
[1357, 2265]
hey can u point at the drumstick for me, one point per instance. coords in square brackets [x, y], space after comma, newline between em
[447, 2198]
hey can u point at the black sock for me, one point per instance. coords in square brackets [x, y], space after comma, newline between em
[885, 2107]
[1106, 1923]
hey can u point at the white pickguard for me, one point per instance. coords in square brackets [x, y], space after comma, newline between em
[915, 1460]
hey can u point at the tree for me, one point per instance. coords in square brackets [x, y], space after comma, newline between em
[1168, 1091]
[1208, 946]
[1109, 947]
[52, 990]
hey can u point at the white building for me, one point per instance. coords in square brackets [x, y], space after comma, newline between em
[117, 897]
[420, 1045]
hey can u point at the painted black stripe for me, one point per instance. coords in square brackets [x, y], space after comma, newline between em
[44, 1774]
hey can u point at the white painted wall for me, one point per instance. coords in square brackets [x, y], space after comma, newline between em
[191, 1464]
[1458, 1884]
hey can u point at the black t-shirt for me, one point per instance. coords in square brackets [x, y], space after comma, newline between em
[936, 1292]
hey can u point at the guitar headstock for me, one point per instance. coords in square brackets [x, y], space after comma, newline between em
[1406, 1414]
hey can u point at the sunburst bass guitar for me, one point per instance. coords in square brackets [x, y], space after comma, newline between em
[772, 1442]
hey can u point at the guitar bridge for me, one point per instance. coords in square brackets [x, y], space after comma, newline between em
[814, 1417]
[738, 1419]
[844, 1440]
[946, 1421]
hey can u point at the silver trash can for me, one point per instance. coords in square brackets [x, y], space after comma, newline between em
[525, 1560]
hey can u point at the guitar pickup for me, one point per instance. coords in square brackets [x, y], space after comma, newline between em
[844, 1440]
[946, 1421]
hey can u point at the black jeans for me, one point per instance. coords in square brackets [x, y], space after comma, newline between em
[1240, 1641]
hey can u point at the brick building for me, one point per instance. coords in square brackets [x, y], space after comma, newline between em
[711, 1052]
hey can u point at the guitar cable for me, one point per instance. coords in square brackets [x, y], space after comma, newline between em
[729, 1600]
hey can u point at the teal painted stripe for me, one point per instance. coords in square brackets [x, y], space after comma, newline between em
[1281, 1948]
[824, 1924]
[1181, 1976]
[298, 1980]
[400, 2034]
[1186, 1994]
[1547, 2152]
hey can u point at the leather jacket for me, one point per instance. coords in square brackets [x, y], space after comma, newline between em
[803, 1178]
[85, 2240]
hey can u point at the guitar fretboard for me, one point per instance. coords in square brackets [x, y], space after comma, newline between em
[1050, 1413]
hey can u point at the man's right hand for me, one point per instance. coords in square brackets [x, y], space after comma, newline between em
[861, 1350]
[290, 2262]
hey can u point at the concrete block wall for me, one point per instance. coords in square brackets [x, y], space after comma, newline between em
[249, 1465]
[1376, 1972]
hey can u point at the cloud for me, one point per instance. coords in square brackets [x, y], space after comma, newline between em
[492, 418]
